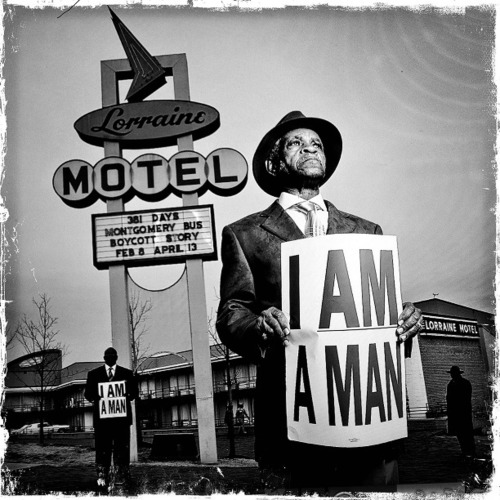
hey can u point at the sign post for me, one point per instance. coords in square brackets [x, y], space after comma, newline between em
[118, 286]
[122, 239]
[112, 71]
[198, 311]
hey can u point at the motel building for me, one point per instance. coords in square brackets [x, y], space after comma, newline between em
[166, 390]
[453, 335]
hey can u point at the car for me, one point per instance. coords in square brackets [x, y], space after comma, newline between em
[29, 429]
[16, 432]
[58, 428]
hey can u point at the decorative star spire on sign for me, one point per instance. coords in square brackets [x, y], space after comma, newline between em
[148, 72]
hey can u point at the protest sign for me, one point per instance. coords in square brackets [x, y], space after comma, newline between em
[113, 401]
[345, 374]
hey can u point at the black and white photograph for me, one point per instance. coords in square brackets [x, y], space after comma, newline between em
[248, 247]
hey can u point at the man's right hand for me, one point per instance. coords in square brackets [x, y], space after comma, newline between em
[273, 324]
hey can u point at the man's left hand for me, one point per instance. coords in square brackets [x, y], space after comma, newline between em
[410, 322]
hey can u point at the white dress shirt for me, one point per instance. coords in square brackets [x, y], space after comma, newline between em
[287, 201]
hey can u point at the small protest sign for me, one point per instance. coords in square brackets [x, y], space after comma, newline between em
[345, 373]
[113, 401]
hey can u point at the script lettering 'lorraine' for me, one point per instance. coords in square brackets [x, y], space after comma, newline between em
[113, 124]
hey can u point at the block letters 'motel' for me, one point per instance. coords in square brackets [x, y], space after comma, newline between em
[149, 165]
[81, 179]
[217, 172]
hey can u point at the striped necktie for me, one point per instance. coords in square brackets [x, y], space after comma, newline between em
[314, 227]
[110, 374]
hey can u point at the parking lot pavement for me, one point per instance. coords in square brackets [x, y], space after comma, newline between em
[436, 458]
[431, 462]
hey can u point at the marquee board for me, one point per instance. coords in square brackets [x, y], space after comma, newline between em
[149, 237]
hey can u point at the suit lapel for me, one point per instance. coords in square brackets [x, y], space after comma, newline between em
[337, 223]
[278, 222]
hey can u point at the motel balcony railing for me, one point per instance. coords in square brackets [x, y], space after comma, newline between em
[163, 393]
[240, 384]
[144, 394]
[30, 407]
[49, 406]
[166, 393]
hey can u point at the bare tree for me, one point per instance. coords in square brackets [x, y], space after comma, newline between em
[223, 350]
[39, 337]
[10, 337]
[139, 311]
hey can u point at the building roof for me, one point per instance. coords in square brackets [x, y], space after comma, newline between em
[28, 370]
[446, 308]
[31, 359]
[76, 373]
[165, 360]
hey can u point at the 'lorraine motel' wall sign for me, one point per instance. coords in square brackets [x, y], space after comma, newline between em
[147, 124]
[149, 237]
[449, 326]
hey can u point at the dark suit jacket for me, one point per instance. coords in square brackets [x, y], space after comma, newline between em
[98, 375]
[250, 283]
[459, 406]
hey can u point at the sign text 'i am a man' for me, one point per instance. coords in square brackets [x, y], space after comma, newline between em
[344, 368]
[112, 399]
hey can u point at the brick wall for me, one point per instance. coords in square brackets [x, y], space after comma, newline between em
[439, 354]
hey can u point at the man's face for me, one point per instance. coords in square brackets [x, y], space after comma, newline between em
[110, 357]
[303, 154]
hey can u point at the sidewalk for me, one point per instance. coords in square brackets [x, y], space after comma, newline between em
[430, 458]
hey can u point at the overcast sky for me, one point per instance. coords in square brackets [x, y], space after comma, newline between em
[410, 91]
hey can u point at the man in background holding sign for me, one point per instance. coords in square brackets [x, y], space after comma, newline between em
[291, 163]
[111, 388]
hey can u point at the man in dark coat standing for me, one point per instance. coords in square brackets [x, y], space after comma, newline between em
[459, 408]
[112, 434]
[291, 163]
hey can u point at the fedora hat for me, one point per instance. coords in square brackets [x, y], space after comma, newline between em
[455, 369]
[328, 133]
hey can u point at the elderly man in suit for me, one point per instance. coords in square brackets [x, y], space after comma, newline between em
[291, 163]
[112, 434]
